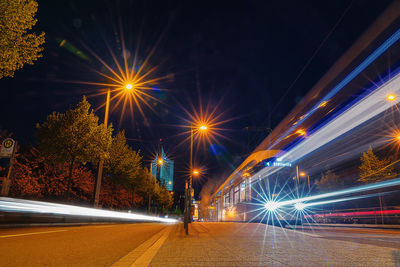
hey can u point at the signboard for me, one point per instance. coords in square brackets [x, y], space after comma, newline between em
[195, 212]
[278, 164]
[7, 148]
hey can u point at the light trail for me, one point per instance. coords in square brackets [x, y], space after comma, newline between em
[302, 206]
[357, 189]
[371, 106]
[21, 205]
[361, 67]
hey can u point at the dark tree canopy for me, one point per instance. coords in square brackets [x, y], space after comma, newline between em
[17, 46]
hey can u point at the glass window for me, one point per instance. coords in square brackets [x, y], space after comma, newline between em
[243, 191]
[226, 200]
[236, 198]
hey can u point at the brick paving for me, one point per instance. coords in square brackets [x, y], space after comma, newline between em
[240, 244]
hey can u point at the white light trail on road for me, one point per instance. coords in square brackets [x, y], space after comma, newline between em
[357, 189]
[21, 205]
[301, 206]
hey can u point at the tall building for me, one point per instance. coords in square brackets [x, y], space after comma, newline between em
[163, 169]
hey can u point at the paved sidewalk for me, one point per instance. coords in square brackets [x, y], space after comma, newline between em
[240, 244]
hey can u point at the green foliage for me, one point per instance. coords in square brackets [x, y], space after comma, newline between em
[164, 198]
[373, 169]
[17, 46]
[74, 136]
[122, 163]
[329, 181]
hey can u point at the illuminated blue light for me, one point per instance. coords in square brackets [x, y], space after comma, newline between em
[362, 66]
[357, 189]
[272, 205]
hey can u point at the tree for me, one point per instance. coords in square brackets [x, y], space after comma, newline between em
[122, 163]
[329, 181]
[373, 169]
[164, 198]
[36, 178]
[73, 136]
[17, 46]
[149, 187]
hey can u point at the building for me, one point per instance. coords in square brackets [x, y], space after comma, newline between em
[163, 169]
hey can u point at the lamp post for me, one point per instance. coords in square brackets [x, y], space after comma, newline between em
[97, 189]
[303, 174]
[188, 184]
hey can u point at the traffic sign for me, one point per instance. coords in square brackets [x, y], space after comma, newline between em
[7, 148]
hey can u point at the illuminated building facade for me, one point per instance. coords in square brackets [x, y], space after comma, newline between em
[163, 169]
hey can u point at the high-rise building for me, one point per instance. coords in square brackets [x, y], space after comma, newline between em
[163, 169]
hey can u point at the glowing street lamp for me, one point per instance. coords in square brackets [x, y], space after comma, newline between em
[203, 128]
[160, 162]
[391, 97]
[128, 87]
[188, 195]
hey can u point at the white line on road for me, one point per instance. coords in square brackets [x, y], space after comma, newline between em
[142, 255]
[34, 233]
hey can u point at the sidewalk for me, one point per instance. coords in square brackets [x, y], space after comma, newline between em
[240, 244]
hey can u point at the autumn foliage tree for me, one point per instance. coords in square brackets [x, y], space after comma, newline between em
[37, 178]
[17, 46]
[73, 136]
[373, 169]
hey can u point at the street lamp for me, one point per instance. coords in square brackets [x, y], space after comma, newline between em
[127, 86]
[188, 187]
[303, 174]
[391, 97]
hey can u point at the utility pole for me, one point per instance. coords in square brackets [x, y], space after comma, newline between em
[101, 162]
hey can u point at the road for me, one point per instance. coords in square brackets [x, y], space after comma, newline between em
[209, 244]
[94, 245]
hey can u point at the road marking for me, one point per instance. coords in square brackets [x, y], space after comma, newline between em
[143, 254]
[34, 233]
[104, 226]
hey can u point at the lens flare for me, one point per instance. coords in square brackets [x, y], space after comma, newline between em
[272, 205]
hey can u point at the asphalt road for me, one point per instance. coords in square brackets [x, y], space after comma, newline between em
[94, 245]
[209, 244]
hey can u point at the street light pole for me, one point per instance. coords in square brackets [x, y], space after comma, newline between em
[188, 187]
[101, 162]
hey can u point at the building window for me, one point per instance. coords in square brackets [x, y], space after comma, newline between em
[248, 189]
[243, 191]
[236, 195]
[226, 200]
[231, 197]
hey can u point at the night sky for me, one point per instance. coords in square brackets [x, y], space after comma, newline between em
[241, 56]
